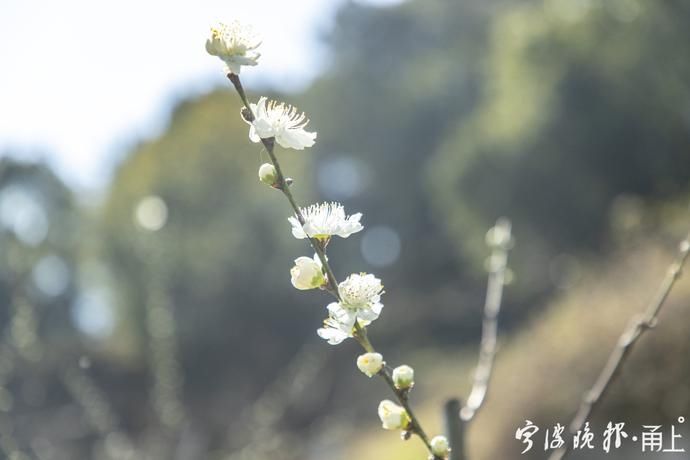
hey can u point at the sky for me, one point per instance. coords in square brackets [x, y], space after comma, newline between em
[82, 81]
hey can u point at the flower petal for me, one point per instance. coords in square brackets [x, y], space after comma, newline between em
[297, 230]
[253, 136]
[343, 316]
[333, 336]
[350, 226]
[296, 139]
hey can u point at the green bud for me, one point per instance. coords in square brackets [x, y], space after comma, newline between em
[268, 174]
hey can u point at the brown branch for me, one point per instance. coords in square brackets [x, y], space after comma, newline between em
[624, 346]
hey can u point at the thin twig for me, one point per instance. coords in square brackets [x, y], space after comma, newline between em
[500, 240]
[624, 346]
[359, 332]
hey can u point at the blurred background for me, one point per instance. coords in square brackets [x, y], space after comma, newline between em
[146, 310]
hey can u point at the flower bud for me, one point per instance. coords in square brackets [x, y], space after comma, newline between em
[403, 377]
[440, 447]
[268, 174]
[307, 273]
[393, 417]
[370, 363]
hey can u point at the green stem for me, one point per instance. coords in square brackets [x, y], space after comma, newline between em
[360, 333]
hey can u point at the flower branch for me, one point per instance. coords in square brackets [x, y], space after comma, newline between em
[638, 326]
[360, 332]
[358, 296]
[283, 184]
[399, 384]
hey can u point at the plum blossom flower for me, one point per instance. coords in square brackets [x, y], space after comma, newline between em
[360, 297]
[393, 417]
[307, 273]
[360, 303]
[281, 121]
[235, 44]
[370, 363]
[324, 220]
[334, 331]
[361, 291]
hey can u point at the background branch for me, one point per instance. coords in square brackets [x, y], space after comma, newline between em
[623, 348]
[455, 429]
[499, 239]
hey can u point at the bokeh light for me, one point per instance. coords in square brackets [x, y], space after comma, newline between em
[380, 246]
[151, 213]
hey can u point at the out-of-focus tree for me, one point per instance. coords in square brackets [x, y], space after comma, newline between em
[38, 243]
[39, 251]
[192, 236]
[582, 102]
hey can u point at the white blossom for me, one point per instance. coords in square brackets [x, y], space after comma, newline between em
[403, 377]
[325, 220]
[370, 363]
[307, 273]
[362, 291]
[334, 331]
[360, 303]
[393, 417]
[235, 44]
[281, 121]
[440, 446]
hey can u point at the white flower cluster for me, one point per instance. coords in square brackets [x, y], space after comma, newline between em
[392, 415]
[359, 295]
[236, 44]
